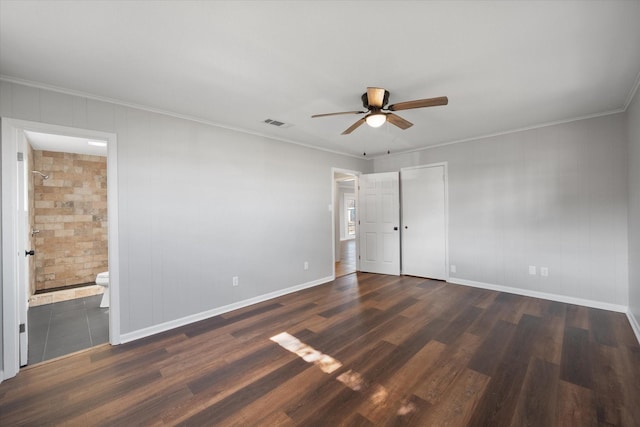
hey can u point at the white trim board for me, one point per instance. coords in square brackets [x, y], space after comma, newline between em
[542, 295]
[166, 326]
[634, 324]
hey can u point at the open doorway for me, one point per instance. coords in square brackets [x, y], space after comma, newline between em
[345, 225]
[51, 194]
[67, 236]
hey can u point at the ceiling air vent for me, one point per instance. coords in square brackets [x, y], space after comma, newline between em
[277, 123]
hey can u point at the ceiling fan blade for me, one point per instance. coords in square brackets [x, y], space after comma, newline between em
[419, 103]
[398, 121]
[337, 114]
[375, 95]
[354, 126]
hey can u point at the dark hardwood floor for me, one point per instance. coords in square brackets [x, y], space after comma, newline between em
[363, 350]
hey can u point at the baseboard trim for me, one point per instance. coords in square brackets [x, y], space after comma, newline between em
[162, 327]
[543, 295]
[634, 325]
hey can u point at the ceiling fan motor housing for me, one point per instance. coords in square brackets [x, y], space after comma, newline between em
[365, 101]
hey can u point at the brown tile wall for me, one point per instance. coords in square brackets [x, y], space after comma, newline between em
[71, 214]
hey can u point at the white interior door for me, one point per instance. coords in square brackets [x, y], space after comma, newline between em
[379, 213]
[424, 222]
[23, 265]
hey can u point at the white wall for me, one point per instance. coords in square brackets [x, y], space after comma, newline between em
[200, 204]
[633, 123]
[553, 197]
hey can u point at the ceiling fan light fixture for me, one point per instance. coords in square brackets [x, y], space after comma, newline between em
[376, 120]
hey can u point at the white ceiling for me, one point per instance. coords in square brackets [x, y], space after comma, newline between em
[504, 65]
[65, 144]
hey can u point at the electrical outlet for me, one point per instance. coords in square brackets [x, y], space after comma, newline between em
[306, 265]
[532, 270]
[452, 267]
[235, 280]
[544, 271]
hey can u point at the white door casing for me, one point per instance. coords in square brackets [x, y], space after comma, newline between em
[379, 216]
[424, 225]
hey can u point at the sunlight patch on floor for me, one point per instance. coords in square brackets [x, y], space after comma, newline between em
[327, 363]
[354, 380]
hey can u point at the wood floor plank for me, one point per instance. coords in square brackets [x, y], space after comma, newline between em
[455, 407]
[537, 401]
[492, 314]
[575, 406]
[411, 351]
[606, 384]
[499, 401]
[253, 413]
[575, 364]
[445, 371]
[487, 357]
[549, 344]
[234, 402]
[409, 412]
[312, 405]
[600, 327]
[577, 316]
[401, 385]
[458, 325]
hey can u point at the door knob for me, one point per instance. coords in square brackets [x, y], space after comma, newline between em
[406, 227]
[31, 252]
[395, 228]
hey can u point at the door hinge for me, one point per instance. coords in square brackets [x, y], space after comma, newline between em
[22, 329]
[21, 157]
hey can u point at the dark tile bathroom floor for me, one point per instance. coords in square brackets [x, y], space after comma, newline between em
[65, 327]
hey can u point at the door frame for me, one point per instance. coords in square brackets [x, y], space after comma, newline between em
[334, 210]
[446, 211]
[12, 130]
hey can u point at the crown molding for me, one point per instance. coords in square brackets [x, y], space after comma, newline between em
[196, 119]
[506, 132]
[72, 92]
[632, 92]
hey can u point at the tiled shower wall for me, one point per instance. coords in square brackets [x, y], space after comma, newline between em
[71, 214]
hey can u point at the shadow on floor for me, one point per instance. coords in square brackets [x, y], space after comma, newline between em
[65, 327]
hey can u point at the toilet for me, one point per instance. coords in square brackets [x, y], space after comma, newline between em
[102, 279]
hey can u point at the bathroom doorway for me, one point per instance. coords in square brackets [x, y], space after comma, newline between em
[63, 216]
[68, 240]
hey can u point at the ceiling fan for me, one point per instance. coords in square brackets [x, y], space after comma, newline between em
[375, 99]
